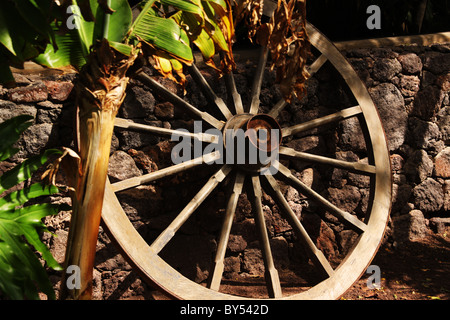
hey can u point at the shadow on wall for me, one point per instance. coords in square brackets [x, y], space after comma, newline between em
[410, 87]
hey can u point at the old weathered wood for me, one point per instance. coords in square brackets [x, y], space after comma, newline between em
[158, 272]
[133, 126]
[177, 101]
[176, 224]
[356, 167]
[218, 266]
[346, 217]
[233, 95]
[166, 172]
[419, 40]
[271, 273]
[209, 94]
[316, 255]
[257, 80]
[335, 117]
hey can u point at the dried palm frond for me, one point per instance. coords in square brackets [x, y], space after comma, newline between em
[250, 11]
[286, 38]
[226, 25]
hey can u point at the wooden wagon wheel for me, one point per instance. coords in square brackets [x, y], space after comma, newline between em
[368, 229]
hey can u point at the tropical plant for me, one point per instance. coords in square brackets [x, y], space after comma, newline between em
[103, 50]
[102, 42]
[24, 32]
[21, 273]
[164, 28]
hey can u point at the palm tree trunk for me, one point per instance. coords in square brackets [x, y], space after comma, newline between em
[100, 92]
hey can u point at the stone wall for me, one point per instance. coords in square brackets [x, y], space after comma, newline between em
[410, 86]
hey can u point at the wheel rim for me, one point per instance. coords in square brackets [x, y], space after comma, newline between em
[144, 257]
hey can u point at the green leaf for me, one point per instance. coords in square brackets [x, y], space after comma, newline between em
[220, 6]
[83, 29]
[197, 34]
[8, 283]
[176, 65]
[146, 10]
[74, 46]
[213, 29]
[120, 20]
[205, 44]
[185, 6]
[37, 15]
[20, 197]
[5, 36]
[164, 34]
[22, 266]
[10, 131]
[122, 47]
[27, 222]
[70, 52]
[215, 3]
[25, 170]
[21, 272]
[16, 35]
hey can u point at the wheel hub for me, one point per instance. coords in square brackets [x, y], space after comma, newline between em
[251, 141]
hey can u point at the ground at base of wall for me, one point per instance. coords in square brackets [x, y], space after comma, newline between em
[417, 271]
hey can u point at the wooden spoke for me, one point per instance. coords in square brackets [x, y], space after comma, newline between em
[337, 116]
[152, 176]
[317, 64]
[131, 125]
[198, 199]
[225, 232]
[233, 94]
[347, 218]
[271, 273]
[257, 81]
[177, 101]
[208, 92]
[275, 112]
[350, 264]
[316, 255]
[356, 167]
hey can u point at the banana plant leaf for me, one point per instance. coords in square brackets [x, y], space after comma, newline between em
[74, 46]
[197, 34]
[185, 6]
[206, 33]
[214, 29]
[24, 21]
[23, 33]
[164, 34]
[37, 14]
